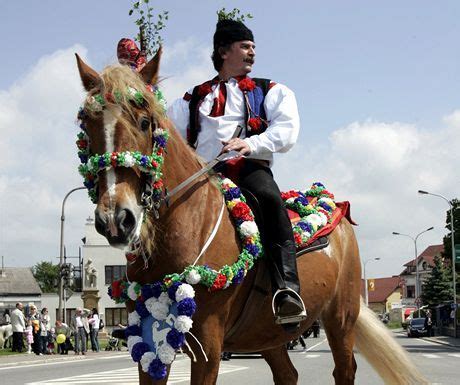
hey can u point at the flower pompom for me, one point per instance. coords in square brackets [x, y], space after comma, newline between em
[141, 309]
[175, 338]
[138, 351]
[183, 323]
[132, 291]
[146, 360]
[193, 277]
[184, 291]
[186, 307]
[133, 340]
[160, 311]
[248, 228]
[134, 318]
[164, 299]
[150, 302]
[157, 369]
[166, 353]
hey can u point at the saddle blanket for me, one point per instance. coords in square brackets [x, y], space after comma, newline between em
[314, 213]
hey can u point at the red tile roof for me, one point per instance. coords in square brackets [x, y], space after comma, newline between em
[384, 287]
[428, 255]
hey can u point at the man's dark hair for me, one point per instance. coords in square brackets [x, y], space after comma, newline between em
[216, 57]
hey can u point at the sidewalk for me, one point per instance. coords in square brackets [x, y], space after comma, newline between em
[442, 340]
[20, 359]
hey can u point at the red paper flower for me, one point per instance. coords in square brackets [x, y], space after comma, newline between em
[289, 194]
[204, 89]
[116, 289]
[240, 210]
[219, 283]
[82, 144]
[246, 84]
[255, 124]
[297, 238]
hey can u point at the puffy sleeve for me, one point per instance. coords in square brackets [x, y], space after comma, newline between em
[281, 109]
[179, 114]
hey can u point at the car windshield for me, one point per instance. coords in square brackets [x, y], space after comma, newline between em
[418, 321]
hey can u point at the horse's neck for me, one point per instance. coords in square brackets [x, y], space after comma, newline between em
[176, 238]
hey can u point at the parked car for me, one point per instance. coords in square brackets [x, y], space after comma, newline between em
[416, 327]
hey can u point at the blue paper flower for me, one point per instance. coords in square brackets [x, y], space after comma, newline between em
[138, 351]
[175, 338]
[305, 226]
[172, 290]
[157, 369]
[133, 330]
[186, 307]
[238, 278]
[157, 289]
[253, 249]
[141, 309]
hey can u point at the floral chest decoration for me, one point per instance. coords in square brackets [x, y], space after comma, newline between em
[163, 310]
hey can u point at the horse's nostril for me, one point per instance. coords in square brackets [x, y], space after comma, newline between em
[126, 220]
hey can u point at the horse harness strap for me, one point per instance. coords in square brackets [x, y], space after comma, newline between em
[204, 170]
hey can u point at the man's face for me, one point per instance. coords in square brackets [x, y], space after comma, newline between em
[239, 59]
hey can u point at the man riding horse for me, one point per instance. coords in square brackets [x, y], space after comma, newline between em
[210, 113]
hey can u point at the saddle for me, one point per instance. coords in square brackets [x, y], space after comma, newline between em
[261, 288]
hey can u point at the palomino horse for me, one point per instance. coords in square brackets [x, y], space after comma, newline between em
[173, 236]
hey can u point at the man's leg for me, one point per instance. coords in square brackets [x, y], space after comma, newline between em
[259, 180]
[83, 339]
[77, 341]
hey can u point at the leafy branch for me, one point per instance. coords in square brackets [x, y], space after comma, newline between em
[235, 14]
[149, 35]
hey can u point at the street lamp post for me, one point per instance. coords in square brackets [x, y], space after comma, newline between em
[61, 251]
[453, 251]
[366, 294]
[414, 239]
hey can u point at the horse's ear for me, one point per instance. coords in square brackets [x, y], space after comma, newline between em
[89, 77]
[150, 72]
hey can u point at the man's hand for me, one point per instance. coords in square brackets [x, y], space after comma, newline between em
[236, 144]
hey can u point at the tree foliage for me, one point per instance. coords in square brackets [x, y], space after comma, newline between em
[149, 35]
[447, 241]
[437, 288]
[46, 275]
[234, 14]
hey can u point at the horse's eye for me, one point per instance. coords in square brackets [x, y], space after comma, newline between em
[145, 124]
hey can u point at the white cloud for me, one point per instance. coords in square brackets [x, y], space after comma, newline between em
[379, 167]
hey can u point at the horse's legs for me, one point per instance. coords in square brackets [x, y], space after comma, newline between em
[339, 326]
[284, 373]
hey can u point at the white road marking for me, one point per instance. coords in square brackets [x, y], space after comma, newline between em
[456, 355]
[431, 355]
[312, 355]
[314, 346]
[180, 373]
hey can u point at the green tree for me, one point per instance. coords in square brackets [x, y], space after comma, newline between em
[437, 288]
[46, 275]
[447, 241]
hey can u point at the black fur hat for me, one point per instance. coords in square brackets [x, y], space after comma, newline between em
[228, 31]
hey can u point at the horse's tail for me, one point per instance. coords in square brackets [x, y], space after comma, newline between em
[387, 357]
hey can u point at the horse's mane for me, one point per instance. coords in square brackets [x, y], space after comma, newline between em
[116, 79]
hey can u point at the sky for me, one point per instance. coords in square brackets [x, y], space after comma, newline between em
[376, 85]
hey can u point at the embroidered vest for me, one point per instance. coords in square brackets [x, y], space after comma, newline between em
[255, 99]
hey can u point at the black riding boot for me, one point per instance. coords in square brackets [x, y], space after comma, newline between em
[288, 306]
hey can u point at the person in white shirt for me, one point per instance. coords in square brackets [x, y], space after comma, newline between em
[94, 329]
[18, 322]
[208, 116]
[80, 327]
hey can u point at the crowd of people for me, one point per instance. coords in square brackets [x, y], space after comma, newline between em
[33, 331]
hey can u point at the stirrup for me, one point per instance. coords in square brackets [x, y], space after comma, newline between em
[296, 318]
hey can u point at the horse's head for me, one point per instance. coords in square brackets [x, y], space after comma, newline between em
[121, 146]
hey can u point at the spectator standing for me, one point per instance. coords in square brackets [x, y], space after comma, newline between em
[94, 321]
[28, 332]
[34, 318]
[62, 328]
[45, 327]
[18, 323]
[80, 327]
[428, 323]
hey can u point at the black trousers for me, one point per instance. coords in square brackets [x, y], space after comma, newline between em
[18, 342]
[258, 179]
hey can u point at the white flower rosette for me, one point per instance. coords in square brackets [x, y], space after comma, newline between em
[248, 228]
[193, 277]
[323, 218]
[132, 292]
[166, 354]
[184, 291]
[183, 323]
[146, 360]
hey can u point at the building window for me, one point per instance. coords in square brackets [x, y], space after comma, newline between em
[410, 291]
[114, 273]
[115, 316]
